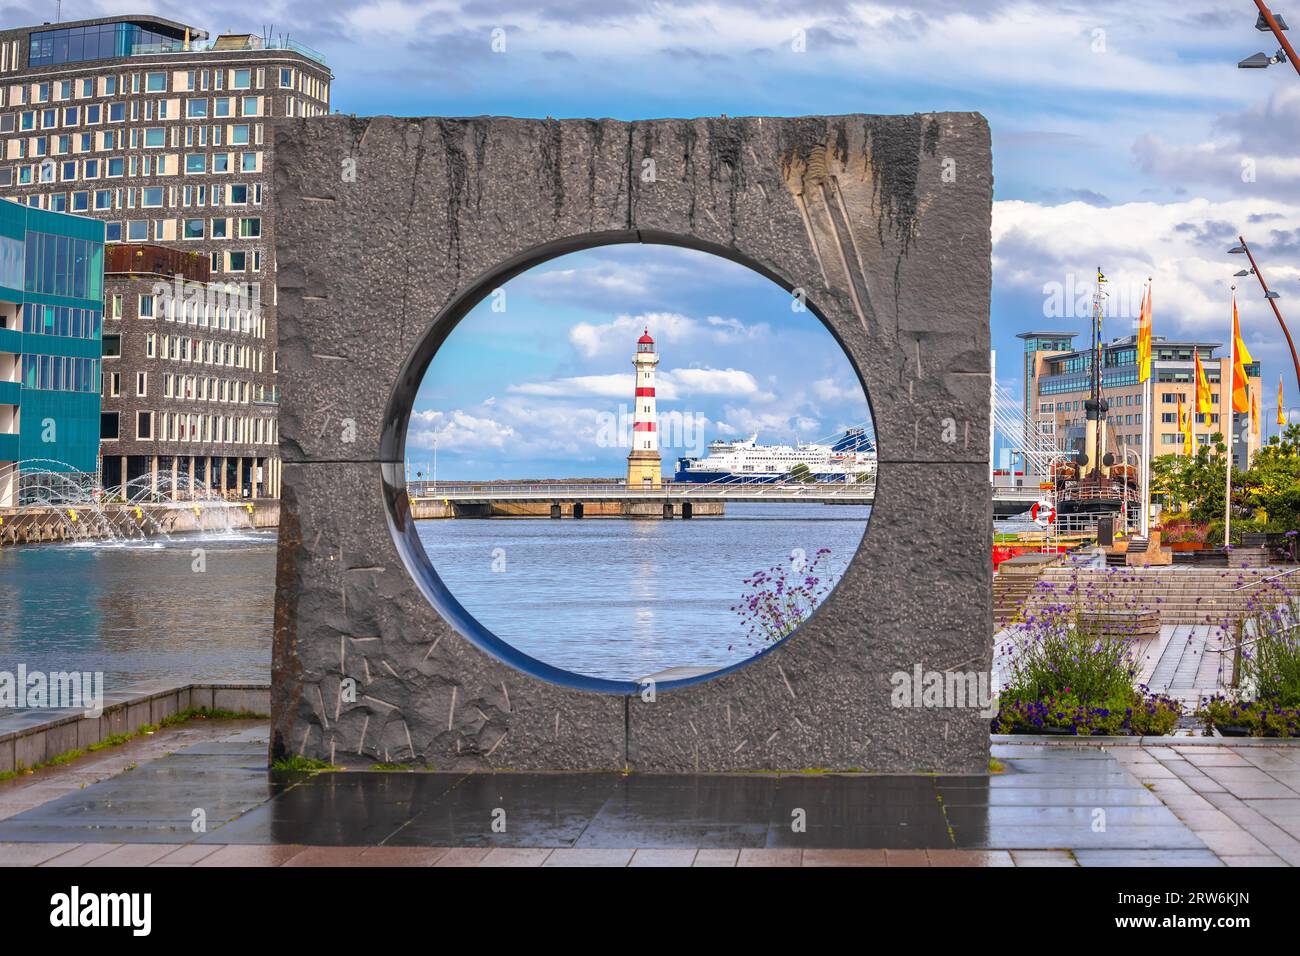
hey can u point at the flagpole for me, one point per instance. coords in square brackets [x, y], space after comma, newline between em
[1226, 419]
[1144, 522]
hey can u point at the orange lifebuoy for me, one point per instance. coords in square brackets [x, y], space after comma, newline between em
[1043, 509]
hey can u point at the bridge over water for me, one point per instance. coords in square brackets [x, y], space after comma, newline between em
[685, 499]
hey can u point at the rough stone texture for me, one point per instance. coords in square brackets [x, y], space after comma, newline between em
[882, 223]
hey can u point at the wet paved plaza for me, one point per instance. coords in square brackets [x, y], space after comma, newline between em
[1187, 802]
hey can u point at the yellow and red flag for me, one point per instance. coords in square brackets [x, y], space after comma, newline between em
[1240, 359]
[1185, 426]
[1281, 413]
[1144, 336]
[1203, 395]
[1254, 413]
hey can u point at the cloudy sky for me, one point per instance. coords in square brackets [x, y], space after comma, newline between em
[1123, 132]
[539, 383]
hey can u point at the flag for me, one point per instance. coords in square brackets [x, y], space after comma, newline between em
[1254, 412]
[1281, 415]
[1144, 336]
[1203, 395]
[1185, 426]
[1240, 359]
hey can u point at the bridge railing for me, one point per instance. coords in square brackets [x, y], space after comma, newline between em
[421, 489]
[617, 489]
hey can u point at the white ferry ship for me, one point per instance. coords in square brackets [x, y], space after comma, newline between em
[851, 458]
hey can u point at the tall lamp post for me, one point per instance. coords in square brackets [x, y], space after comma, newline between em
[1270, 295]
[1270, 22]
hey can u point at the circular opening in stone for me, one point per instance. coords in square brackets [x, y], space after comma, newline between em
[634, 462]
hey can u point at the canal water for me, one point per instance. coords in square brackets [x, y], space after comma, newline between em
[141, 611]
[606, 597]
[624, 599]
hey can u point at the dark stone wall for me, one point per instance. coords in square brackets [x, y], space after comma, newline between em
[389, 231]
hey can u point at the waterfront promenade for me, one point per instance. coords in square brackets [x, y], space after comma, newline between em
[1179, 801]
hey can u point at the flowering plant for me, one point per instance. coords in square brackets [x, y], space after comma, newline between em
[1071, 665]
[777, 600]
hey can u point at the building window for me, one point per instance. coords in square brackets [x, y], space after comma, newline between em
[142, 384]
[242, 80]
[144, 426]
[108, 425]
[193, 229]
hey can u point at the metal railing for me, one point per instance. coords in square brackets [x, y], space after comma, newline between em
[865, 492]
[1271, 577]
[211, 46]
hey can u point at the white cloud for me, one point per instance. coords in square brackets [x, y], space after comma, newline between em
[743, 421]
[714, 381]
[828, 390]
[728, 331]
[457, 430]
[1181, 245]
[620, 335]
[604, 386]
[1249, 153]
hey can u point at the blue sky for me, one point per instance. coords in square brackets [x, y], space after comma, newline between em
[538, 382]
[1123, 133]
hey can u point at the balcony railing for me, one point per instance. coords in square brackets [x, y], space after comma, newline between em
[224, 46]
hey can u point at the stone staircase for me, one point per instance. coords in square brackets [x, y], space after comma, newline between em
[1181, 595]
[1014, 583]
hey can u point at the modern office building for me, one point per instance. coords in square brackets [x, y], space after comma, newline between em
[189, 390]
[162, 134]
[51, 302]
[1058, 381]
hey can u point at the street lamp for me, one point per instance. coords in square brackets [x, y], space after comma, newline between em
[1242, 249]
[1268, 22]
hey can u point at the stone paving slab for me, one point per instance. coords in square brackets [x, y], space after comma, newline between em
[1190, 803]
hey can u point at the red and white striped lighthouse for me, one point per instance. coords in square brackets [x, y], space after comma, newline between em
[643, 466]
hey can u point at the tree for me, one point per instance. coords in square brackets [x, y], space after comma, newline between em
[802, 472]
[1267, 495]
[1194, 483]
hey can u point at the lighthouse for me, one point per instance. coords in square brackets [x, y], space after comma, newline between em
[643, 461]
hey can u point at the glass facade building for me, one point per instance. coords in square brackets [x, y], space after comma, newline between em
[96, 41]
[163, 133]
[51, 321]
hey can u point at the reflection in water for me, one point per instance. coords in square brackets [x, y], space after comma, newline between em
[621, 598]
[141, 611]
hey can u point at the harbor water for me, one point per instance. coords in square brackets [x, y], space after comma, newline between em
[611, 598]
